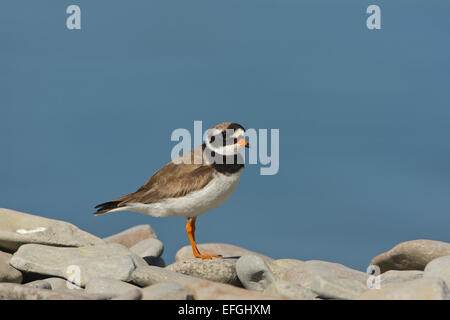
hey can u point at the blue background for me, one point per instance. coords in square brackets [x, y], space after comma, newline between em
[364, 116]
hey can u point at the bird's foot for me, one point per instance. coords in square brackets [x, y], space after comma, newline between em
[207, 256]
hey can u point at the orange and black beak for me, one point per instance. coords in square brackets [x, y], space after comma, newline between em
[243, 143]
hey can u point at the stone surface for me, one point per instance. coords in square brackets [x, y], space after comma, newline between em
[337, 288]
[305, 273]
[254, 273]
[152, 261]
[12, 291]
[411, 255]
[224, 249]
[200, 289]
[281, 266]
[60, 284]
[399, 276]
[149, 275]
[111, 288]
[8, 273]
[219, 270]
[17, 228]
[132, 236]
[439, 267]
[290, 290]
[420, 289]
[39, 284]
[150, 247]
[129, 295]
[166, 291]
[107, 260]
[209, 290]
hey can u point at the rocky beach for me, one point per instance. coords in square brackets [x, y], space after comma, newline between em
[42, 258]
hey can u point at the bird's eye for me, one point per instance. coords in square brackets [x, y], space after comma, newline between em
[212, 139]
[235, 140]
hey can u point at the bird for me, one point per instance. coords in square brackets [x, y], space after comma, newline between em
[192, 184]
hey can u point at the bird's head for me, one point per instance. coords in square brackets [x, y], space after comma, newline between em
[226, 138]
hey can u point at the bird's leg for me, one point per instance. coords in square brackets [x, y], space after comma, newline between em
[190, 228]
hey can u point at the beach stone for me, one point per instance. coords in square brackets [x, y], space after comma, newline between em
[111, 288]
[426, 288]
[60, 284]
[219, 270]
[132, 236]
[150, 247]
[63, 286]
[305, 273]
[280, 266]
[200, 289]
[209, 290]
[337, 288]
[17, 228]
[411, 255]
[129, 295]
[224, 249]
[13, 291]
[166, 291]
[39, 284]
[254, 273]
[106, 260]
[149, 275]
[290, 290]
[400, 276]
[439, 267]
[152, 261]
[8, 273]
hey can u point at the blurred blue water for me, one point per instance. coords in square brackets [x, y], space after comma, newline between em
[364, 116]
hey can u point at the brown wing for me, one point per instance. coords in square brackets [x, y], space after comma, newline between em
[171, 181]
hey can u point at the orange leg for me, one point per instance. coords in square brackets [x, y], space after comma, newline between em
[190, 228]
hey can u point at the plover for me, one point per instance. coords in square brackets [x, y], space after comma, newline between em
[192, 184]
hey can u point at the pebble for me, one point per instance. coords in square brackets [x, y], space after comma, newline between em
[219, 270]
[149, 275]
[304, 274]
[17, 228]
[112, 288]
[400, 276]
[151, 248]
[8, 273]
[129, 295]
[337, 288]
[79, 265]
[39, 284]
[439, 267]
[132, 236]
[281, 266]
[13, 291]
[166, 291]
[290, 290]
[427, 288]
[254, 273]
[411, 255]
[152, 261]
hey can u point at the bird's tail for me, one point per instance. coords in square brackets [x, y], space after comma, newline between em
[106, 207]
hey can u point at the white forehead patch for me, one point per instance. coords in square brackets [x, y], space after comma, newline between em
[238, 133]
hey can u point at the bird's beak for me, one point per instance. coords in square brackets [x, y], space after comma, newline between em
[243, 143]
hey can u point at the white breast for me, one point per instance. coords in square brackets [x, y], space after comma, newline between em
[215, 193]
